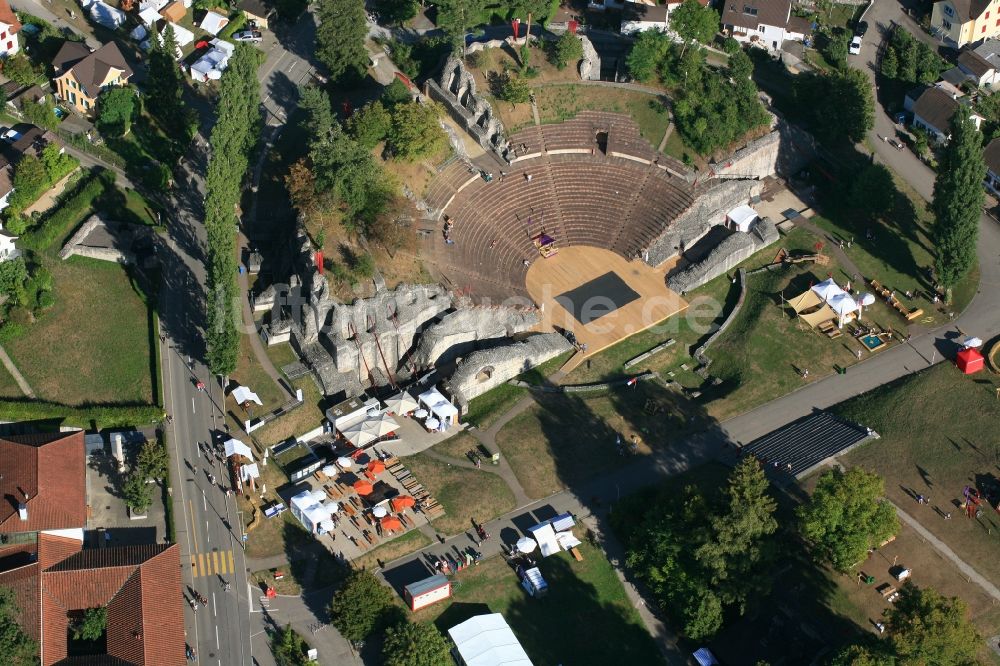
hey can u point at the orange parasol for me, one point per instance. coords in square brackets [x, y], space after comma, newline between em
[362, 487]
[376, 467]
[391, 523]
[402, 502]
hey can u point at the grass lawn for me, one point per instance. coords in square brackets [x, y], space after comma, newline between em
[300, 420]
[274, 536]
[558, 103]
[99, 333]
[584, 619]
[464, 493]
[250, 373]
[935, 440]
[402, 545]
[8, 387]
[567, 439]
[281, 355]
[487, 408]
[456, 446]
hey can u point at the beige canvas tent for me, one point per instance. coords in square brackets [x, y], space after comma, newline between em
[804, 301]
[823, 315]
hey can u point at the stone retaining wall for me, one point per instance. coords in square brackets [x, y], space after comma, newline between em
[699, 353]
[725, 256]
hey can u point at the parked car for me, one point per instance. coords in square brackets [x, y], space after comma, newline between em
[855, 47]
[248, 36]
[861, 29]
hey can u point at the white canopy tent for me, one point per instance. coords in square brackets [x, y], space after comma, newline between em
[563, 522]
[526, 545]
[487, 640]
[567, 540]
[236, 447]
[150, 15]
[439, 406]
[401, 403]
[359, 434]
[742, 217]
[181, 34]
[155, 5]
[309, 510]
[213, 23]
[843, 304]
[243, 395]
[106, 15]
[546, 538]
[249, 471]
[827, 289]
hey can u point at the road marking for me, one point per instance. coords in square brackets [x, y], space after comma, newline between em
[193, 410]
[208, 532]
[215, 561]
[215, 607]
[194, 535]
[217, 637]
[232, 569]
[204, 499]
[201, 564]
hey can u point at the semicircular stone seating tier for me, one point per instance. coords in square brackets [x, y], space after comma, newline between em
[592, 180]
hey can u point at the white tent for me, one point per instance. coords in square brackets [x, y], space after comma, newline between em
[867, 299]
[546, 538]
[250, 471]
[181, 34]
[487, 640]
[155, 5]
[827, 289]
[401, 403]
[533, 582]
[106, 15]
[563, 522]
[210, 66]
[138, 33]
[150, 16]
[843, 304]
[361, 433]
[741, 217]
[213, 23]
[236, 447]
[526, 545]
[241, 394]
[567, 540]
[442, 409]
[309, 511]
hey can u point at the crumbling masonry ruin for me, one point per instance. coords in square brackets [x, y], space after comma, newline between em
[456, 90]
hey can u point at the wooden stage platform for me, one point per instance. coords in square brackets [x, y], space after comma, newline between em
[574, 267]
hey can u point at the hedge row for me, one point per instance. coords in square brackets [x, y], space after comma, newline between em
[71, 211]
[96, 417]
[236, 23]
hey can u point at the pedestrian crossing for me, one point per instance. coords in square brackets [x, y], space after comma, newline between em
[217, 562]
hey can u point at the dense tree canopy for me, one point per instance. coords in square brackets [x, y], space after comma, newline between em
[397, 12]
[838, 105]
[361, 606]
[233, 138]
[846, 515]
[115, 107]
[16, 646]
[92, 625]
[415, 644]
[340, 38]
[648, 51]
[910, 61]
[370, 124]
[288, 648]
[700, 557]
[415, 132]
[695, 22]
[927, 628]
[873, 192]
[568, 48]
[19, 69]
[457, 17]
[834, 43]
[153, 459]
[958, 202]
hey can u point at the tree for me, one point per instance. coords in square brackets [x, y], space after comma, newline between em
[17, 647]
[890, 64]
[415, 132]
[153, 460]
[568, 48]
[41, 113]
[13, 273]
[18, 68]
[361, 606]
[340, 38]
[694, 22]
[29, 177]
[288, 648]
[370, 124]
[457, 17]
[415, 644]
[92, 625]
[397, 12]
[165, 83]
[512, 88]
[910, 61]
[319, 115]
[57, 164]
[396, 93]
[115, 107]
[648, 51]
[862, 655]
[958, 201]
[138, 494]
[233, 138]
[834, 44]
[348, 174]
[846, 516]
[873, 191]
[835, 122]
[927, 628]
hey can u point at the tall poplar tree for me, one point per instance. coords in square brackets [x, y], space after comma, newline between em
[958, 201]
[233, 139]
[164, 84]
[340, 38]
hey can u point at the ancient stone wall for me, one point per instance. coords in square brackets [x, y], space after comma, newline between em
[590, 66]
[462, 331]
[484, 370]
[456, 90]
[725, 256]
[758, 159]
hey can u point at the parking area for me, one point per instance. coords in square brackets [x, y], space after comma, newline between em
[108, 521]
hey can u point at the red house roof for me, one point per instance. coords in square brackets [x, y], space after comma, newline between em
[140, 585]
[45, 473]
[7, 16]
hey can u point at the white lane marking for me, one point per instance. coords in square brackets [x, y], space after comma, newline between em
[216, 637]
[215, 607]
[208, 533]
[293, 66]
[193, 410]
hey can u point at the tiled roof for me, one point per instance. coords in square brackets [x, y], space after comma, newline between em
[966, 10]
[975, 64]
[936, 107]
[751, 13]
[635, 11]
[24, 581]
[49, 468]
[53, 549]
[255, 7]
[7, 16]
[90, 69]
[991, 155]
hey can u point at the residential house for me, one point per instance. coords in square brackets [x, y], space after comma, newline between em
[961, 22]
[42, 480]
[20, 140]
[174, 12]
[764, 23]
[980, 66]
[9, 28]
[256, 11]
[991, 155]
[55, 580]
[81, 75]
[934, 108]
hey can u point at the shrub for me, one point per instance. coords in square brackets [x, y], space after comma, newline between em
[236, 23]
[70, 212]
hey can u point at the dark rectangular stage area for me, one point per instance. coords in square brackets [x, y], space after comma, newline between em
[597, 298]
